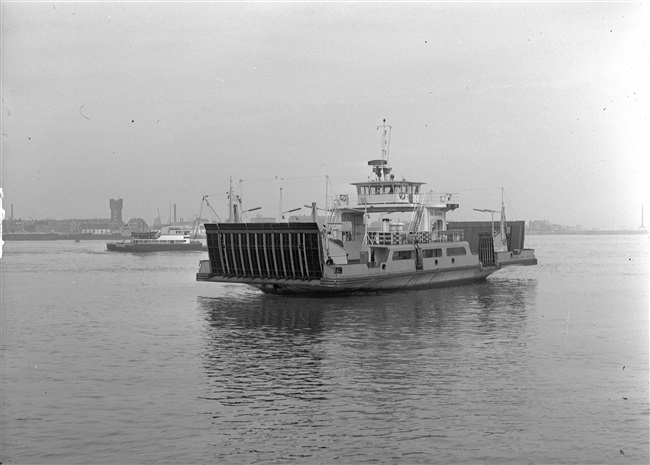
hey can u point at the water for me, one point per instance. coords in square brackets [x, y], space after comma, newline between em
[119, 358]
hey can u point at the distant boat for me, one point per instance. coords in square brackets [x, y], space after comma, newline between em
[346, 254]
[153, 241]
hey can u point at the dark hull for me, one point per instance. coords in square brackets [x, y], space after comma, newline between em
[386, 282]
[146, 248]
[287, 258]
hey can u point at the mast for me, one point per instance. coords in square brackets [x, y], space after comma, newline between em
[230, 215]
[502, 228]
[236, 214]
[327, 194]
[380, 167]
[385, 141]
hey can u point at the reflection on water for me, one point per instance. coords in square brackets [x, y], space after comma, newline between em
[261, 348]
[112, 358]
[300, 374]
[254, 311]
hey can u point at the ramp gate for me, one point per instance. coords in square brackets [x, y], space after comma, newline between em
[265, 250]
[486, 249]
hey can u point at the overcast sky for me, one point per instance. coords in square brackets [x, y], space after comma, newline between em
[160, 103]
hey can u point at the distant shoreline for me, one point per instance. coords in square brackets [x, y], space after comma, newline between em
[88, 236]
[58, 236]
[589, 233]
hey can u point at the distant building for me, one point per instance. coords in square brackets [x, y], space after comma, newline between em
[263, 219]
[539, 226]
[116, 214]
[96, 228]
[136, 225]
[41, 226]
[69, 226]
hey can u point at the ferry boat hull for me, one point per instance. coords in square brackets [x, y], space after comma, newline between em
[415, 280]
[153, 241]
[290, 259]
[145, 248]
[409, 281]
[348, 252]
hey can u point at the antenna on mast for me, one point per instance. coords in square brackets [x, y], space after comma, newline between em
[385, 141]
[381, 168]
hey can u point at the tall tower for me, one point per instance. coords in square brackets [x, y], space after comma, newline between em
[116, 214]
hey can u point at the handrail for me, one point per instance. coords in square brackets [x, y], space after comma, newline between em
[425, 199]
[420, 237]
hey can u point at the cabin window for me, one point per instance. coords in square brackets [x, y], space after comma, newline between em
[429, 253]
[403, 255]
[452, 251]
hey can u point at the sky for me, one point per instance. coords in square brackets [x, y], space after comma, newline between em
[162, 103]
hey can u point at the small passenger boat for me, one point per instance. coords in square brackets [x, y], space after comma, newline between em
[346, 254]
[153, 241]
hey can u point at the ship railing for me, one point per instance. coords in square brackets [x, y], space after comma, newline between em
[450, 235]
[388, 199]
[431, 199]
[385, 238]
[420, 237]
[428, 199]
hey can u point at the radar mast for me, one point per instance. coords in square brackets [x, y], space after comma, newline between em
[381, 168]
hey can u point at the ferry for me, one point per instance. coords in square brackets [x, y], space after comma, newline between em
[345, 253]
[153, 241]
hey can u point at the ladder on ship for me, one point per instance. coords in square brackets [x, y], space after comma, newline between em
[331, 210]
[331, 215]
[416, 218]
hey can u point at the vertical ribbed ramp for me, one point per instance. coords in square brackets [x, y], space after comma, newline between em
[265, 251]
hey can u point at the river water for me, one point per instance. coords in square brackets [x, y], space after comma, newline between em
[120, 358]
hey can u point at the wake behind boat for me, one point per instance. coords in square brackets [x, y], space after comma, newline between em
[347, 254]
[153, 241]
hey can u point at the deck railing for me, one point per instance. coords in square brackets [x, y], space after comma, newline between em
[420, 237]
[427, 199]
